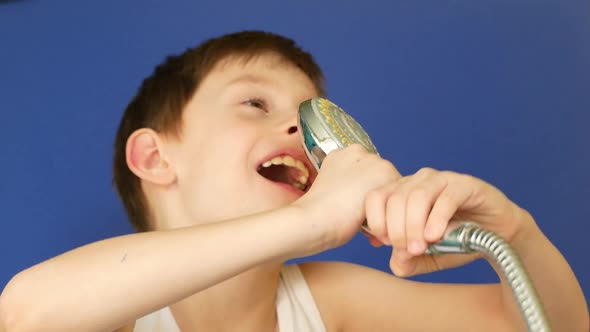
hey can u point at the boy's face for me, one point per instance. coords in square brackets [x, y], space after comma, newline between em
[242, 116]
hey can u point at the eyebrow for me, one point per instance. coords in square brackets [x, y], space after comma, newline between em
[249, 78]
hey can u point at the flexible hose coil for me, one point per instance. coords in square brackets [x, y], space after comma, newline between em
[501, 253]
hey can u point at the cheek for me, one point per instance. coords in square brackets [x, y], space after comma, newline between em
[215, 179]
[204, 188]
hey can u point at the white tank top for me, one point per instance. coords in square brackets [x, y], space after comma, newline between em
[296, 309]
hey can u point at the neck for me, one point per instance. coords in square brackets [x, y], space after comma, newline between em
[245, 302]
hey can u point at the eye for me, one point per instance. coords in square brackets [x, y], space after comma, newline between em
[258, 103]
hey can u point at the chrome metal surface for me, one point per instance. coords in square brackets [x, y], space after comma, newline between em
[326, 127]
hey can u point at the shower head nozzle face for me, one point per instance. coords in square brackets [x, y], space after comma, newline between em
[325, 127]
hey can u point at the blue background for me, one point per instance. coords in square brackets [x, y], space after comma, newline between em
[499, 89]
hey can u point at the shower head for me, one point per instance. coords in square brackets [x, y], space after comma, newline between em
[325, 127]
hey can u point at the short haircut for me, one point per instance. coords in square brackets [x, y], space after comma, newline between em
[163, 95]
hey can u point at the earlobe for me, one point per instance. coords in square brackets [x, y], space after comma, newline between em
[145, 158]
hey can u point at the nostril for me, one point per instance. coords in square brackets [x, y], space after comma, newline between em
[292, 130]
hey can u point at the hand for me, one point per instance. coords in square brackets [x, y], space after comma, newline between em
[415, 210]
[335, 203]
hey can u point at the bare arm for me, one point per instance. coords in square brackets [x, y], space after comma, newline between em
[104, 285]
[2, 328]
[356, 298]
[554, 280]
[383, 302]
[415, 210]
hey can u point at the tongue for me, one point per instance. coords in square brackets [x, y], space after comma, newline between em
[281, 173]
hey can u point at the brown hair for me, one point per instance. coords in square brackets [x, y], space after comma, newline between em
[163, 95]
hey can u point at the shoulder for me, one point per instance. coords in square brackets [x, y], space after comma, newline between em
[126, 328]
[326, 277]
[358, 298]
[338, 287]
[316, 270]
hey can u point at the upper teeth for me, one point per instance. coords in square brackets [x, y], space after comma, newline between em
[291, 162]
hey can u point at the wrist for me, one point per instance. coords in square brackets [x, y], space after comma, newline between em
[307, 230]
[527, 230]
[311, 228]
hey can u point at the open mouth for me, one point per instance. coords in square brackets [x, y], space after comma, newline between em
[287, 170]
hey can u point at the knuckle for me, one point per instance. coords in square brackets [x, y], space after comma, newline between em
[457, 177]
[426, 171]
[356, 148]
[449, 173]
[387, 168]
[376, 195]
[375, 159]
[467, 178]
[388, 165]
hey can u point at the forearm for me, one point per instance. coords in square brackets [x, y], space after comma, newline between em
[554, 280]
[109, 283]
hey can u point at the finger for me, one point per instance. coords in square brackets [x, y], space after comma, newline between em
[407, 265]
[396, 215]
[372, 239]
[396, 212]
[375, 242]
[375, 211]
[420, 201]
[448, 202]
[402, 264]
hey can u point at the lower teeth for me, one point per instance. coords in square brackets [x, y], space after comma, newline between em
[299, 186]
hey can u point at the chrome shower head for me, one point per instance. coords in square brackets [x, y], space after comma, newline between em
[324, 127]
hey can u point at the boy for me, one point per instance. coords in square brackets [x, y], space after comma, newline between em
[210, 168]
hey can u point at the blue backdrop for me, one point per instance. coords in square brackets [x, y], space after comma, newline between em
[499, 89]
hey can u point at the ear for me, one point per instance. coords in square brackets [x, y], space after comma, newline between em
[145, 157]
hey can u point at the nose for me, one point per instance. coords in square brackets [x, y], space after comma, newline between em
[292, 130]
[286, 124]
[290, 125]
